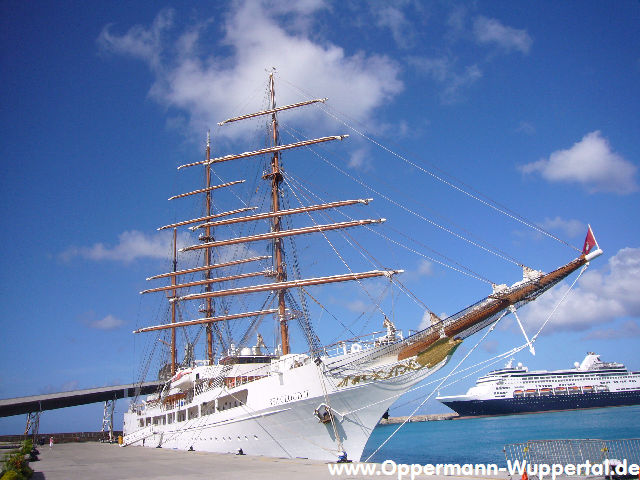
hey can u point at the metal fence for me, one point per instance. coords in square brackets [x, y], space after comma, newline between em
[576, 451]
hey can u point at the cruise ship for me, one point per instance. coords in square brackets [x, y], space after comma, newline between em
[592, 383]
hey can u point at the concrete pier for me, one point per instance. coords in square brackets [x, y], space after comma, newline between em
[433, 417]
[101, 461]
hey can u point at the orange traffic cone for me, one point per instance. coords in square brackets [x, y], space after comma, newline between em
[526, 477]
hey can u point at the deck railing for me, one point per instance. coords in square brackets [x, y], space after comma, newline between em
[574, 451]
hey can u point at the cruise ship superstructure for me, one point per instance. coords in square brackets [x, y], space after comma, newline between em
[592, 383]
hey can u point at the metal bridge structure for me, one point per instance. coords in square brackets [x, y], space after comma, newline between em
[52, 401]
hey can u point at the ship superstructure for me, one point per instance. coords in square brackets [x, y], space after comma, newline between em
[592, 383]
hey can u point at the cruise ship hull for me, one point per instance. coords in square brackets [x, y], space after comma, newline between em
[591, 384]
[507, 406]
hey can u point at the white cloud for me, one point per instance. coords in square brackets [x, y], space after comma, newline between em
[107, 323]
[210, 86]
[394, 18]
[490, 346]
[590, 162]
[569, 227]
[360, 160]
[626, 330]
[491, 31]
[426, 319]
[600, 297]
[443, 70]
[526, 128]
[456, 20]
[131, 245]
[140, 42]
[358, 306]
[425, 268]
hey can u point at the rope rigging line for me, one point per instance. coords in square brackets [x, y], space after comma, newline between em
[335, 250]
[471, 272]
[468, 272]
[363, 251]
[488, 202]
[255, 323]
[375, 262]
[304, 321]
[250, 228]
[347, 237]
[410, 211]
[433, 391]
[493, 360]
[487, 362]
[327, 310]
[544, 324]
[321, 378]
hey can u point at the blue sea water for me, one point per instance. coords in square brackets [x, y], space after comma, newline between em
[481, 440]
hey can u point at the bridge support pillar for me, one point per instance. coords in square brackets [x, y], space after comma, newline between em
[33, 424]
[107, 419]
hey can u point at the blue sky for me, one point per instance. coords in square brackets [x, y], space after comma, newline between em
[533, 106]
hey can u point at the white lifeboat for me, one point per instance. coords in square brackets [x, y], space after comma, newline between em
[182, 379]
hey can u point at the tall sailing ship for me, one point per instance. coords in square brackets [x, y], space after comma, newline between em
[323, 403]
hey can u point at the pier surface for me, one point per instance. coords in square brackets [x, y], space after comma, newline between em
[101, 461]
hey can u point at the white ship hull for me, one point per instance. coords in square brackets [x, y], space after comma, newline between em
[280, 422]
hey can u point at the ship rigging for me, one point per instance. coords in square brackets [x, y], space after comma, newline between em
[260, 399]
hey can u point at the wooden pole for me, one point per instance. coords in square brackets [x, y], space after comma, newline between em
[209, 310]
[173, 304]
[276, 178]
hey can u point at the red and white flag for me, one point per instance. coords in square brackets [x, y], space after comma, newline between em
[589, 242]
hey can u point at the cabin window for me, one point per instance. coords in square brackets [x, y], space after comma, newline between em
[193, 412]
[231, 401]
[207, 408]
[182, 415]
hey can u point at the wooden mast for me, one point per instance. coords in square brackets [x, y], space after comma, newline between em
[173, 304]
[207, 257]
[280, 284]
[276, 178]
